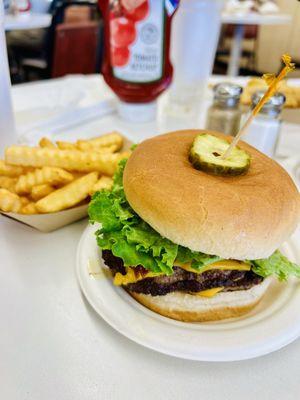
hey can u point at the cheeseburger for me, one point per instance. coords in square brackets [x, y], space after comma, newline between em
[193, 243]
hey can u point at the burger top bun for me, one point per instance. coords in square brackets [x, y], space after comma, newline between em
[243, 217]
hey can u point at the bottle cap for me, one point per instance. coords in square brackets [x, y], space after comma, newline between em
[273, 106]
[227, 94]
[138, 112]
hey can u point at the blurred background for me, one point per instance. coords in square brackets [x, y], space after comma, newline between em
[53, 38]
[219, 51]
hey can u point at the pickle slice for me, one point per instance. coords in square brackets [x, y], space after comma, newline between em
[206, 155]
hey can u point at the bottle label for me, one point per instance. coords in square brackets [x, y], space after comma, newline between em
[137, 39]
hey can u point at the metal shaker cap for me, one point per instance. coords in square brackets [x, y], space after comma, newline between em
[273, 106]
[227, 94]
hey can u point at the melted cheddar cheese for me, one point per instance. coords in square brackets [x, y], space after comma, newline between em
[221, 265]
[133, 276]
[209, 292]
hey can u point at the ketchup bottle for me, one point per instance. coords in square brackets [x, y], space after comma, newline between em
[23, 5]
[136, 63]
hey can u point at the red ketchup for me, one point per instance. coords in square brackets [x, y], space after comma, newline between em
[136, 63]
[23, 5]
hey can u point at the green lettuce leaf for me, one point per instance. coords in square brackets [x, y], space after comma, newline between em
[277, 265]
[132, 239]
[198, 260]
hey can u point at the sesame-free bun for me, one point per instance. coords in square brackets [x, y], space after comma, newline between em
[243, 217]
[191, 308]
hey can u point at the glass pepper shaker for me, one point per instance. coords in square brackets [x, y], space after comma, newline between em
[224, 115]
[264, 131]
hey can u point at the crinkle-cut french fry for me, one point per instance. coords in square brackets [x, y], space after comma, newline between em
[113, 138]
[107, 139]
[78, 174]
[125, 154]
[40, 191]
[72, 160]
[10, 170]
[84, 145]
[24, 200]
[45, 142]
[8, 183]
[108, 149]
[9, 202]
[87, 146]
[69, 195]
[29, 209]
[105, 182]
[50, 175]
[66, 145]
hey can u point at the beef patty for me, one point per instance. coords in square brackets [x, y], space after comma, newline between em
[182, 280]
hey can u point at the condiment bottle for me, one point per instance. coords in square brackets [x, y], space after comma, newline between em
[136, 63]
[195, 34]
[264, 131]
[21, 5]
[224, 115]
[8, 133]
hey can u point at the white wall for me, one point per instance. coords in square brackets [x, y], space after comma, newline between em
[273, 41]
[41, 6]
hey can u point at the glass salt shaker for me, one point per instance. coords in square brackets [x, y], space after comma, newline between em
[224, 115]
[264, 131]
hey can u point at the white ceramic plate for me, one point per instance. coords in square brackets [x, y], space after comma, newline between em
[274, 323]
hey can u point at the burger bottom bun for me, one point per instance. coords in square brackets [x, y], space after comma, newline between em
[190, 308]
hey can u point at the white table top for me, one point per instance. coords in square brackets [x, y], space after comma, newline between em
[255, 18]
[53, 345]
[26, 20]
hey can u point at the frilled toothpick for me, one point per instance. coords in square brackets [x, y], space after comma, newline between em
[272, 81]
